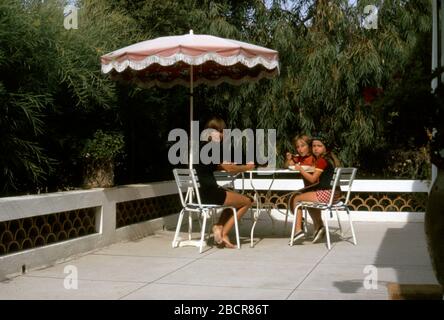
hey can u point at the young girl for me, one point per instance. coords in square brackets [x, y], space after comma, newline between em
[211, 193]
[321, 190]
[302, 144]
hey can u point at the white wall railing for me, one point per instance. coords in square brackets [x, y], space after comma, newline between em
[104, 203]
[360, 185]
[404, 188]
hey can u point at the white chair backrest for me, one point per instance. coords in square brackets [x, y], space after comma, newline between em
[187, 181]
[342, 178]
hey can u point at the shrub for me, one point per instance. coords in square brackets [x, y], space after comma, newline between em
[103, 147]
[100, 154]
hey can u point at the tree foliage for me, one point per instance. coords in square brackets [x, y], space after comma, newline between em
[48, 74]
[53, 96]
[326, 63]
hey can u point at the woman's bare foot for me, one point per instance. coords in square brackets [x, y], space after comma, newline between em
[217, 234]
[227, 242]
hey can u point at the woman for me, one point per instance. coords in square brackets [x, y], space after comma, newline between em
[211, 193]
[321, 190]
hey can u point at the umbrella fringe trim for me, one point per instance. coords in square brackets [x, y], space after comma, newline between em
[195, 61]
[170, 84]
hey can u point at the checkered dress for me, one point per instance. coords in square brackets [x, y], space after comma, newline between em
[324, 196]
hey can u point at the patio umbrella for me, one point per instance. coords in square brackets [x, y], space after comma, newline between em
[190, 60]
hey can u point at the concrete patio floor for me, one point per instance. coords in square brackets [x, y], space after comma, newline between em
[150, 269]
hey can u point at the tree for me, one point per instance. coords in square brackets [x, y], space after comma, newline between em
[47, 75]
[327, 60]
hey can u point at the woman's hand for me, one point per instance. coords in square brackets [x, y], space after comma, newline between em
[233, 167]
[250, 166]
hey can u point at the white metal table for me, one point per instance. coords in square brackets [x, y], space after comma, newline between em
[259, 205]
[228, 179]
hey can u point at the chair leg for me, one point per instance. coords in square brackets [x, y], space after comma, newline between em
[286, 214]
[252, 233]
[190, 224]
[351, 226]
[305, 220]
[327, 231]
[202, 233]
[286, 219]
[251, 213]
[236, 227]
[294, 224]
[179, 224]
[255, 214]
[271, 218]
[213, 212]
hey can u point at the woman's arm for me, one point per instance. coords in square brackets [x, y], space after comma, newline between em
[311, 177]
[235, 168]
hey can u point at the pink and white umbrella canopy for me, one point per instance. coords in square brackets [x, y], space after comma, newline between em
[167, 61]
[190, 60]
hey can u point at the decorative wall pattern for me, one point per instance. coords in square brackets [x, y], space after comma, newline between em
[401, 202]
[27, 233]
[405, 202]
[130, 212]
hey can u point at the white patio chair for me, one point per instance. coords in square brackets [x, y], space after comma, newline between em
[187, 182]
[342, 178]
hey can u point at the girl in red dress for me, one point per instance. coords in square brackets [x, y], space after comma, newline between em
[304, 157]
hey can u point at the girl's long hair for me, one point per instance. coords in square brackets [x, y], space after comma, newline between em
[329, 155]
[306, 138]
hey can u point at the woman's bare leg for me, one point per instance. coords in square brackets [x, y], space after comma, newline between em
[218, 227]
[224, 216]
[242, 204]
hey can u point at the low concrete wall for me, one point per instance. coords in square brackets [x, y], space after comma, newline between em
[104, 200]
[104, 203]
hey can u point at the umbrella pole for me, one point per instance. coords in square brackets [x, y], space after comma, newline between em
[191, 118]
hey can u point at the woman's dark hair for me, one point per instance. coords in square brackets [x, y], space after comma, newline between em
[323, 138]
[329, 155]
[215, 123]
